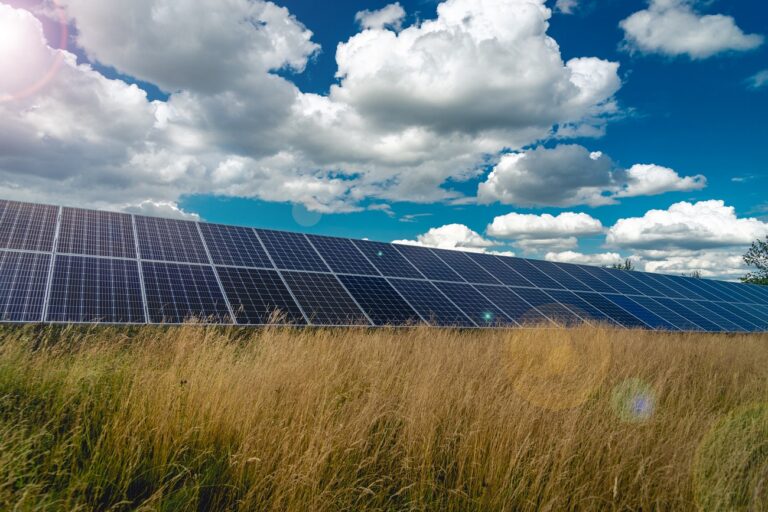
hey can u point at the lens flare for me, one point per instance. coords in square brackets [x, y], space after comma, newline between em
[633, 401]
[304, 217]
[9, 38]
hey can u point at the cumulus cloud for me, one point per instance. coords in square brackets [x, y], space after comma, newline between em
[161, 209]
[758, 80]
[390, 16]
[604, 259]
[413, 110]
[569, 175]
[535, 233]
[674, 28]
[451, 236]
[687, 226]
[566, 6]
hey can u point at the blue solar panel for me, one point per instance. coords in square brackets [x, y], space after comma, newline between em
[559, 274]
[170, 240]
[498, 269]
[93, 290]
[482, 311]
[616, 279]
[697, 287]
[387, 259]
[614, 312]
[259, 297]
[513, 305]
[741, 292]
[692, 312]
[639, 281]
[342, 256]
[431, 304]
[234, 246]
[583, 308]
[178, 293]
[665, 288]
[23, 278]
[381, 302]
[650, 315]
[29, 227]
[465, 267]
[323, 299]
[548, 306]
[757, 313]
[680, 285]
[595, 281]
[725, 318]
[746, 316]
[96, 233]
[535, 276]
[428, 263]
[681, 322]
[291, 251]
[721, 293]
[759, 292]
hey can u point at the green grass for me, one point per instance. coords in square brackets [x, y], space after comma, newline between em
[196, 418]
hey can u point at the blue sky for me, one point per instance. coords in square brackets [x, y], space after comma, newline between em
[256, 119]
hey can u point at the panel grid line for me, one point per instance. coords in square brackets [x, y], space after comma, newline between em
[49, 283]
[141, 272]
[216, 274]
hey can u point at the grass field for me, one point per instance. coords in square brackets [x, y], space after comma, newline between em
[413, 419]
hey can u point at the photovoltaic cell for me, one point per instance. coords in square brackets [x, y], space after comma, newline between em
[387, 259]
[714, 293]
[259, 297]
[96, 233]
[734, 292]
[557, 273]
[669, 315]
[291, 251]
[616, 313]
[616, 279]
[759, 292]
[757, 312]
[178, 293]
[531, 273]
[235, 246]
[25, 226]
[342, 256]
[23, 277]
[431, 304]
[169, 240]
[482, 311]
[324, 300]
[594, 280]
[680, 287]
[380, 301]
[699, 289]
[685, 308]
[513, 305]
[95, 290]
[428, 263]
[583, 308]
[638, 281]
[548, 306]
[495, 266]
[465, 267]
[724, 318]
[665, 289]
[650, 318]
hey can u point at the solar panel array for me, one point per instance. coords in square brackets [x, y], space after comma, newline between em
[69, 265]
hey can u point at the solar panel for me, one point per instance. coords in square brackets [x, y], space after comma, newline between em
[259, 297]
[178, 293]
[324, 300]
[513, 305]
[465, 267]
[94, 290]
[169, 240]
[23, 278]
[234, 246]
[428, 263]
[28, 227]
[381, 302]
[482, 311]
[96, 233]
[495, 266]
[387, 259]
[431, 304]
[75, 265]
[291, 251]
[342, 256]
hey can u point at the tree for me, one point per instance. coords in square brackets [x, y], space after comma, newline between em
[757, 256]
[696, 274]
[627, 265]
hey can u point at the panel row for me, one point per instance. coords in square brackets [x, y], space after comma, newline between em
[92, 289]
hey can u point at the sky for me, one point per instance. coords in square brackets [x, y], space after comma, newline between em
[570, 130]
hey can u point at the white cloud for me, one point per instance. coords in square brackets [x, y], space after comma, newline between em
[673, 27]
[546, 226]
[702, 225]
[569, 175]
[758, 80]
[413, 110]
[604, 259]
[451, 236]
[390, 16]
[727, 264]
[161, 209]
[651, 180]
[566, 6]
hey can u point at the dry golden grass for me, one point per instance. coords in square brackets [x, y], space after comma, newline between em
[196, 418]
